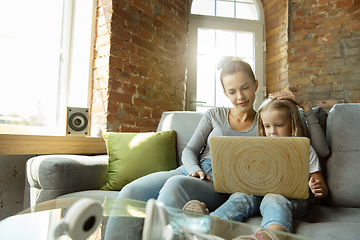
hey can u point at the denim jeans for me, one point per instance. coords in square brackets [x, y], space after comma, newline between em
[174, 188]
[274, 208]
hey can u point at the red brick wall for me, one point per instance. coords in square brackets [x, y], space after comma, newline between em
[276, 25]
[313, 48]
[140, 63]
[324, 50]
[321, 58]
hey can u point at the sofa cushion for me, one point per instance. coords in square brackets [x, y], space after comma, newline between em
[329, 230]
[319, 213]
[343, 165]
[184, 123]
[50, 176]
[133, 155]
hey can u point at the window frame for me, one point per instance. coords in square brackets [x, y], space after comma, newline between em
[202, 21]
[71, 8]
[235, 2]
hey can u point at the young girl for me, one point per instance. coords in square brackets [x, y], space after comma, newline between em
[277, 118]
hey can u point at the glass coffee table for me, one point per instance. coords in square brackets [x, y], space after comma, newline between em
[122, 219]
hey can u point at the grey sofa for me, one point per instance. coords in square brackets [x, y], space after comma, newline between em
[53, 176]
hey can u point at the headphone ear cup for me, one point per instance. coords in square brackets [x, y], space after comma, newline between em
[156, 224]
[83, 218]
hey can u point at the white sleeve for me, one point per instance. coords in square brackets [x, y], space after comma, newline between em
[314, 161]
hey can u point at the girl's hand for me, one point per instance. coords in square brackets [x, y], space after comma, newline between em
[292, 96]
[201, 175]
[316, 187]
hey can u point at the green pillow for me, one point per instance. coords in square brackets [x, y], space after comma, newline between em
[133, 155]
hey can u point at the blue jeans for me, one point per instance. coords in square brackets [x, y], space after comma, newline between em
[274, 208]
[174, 188]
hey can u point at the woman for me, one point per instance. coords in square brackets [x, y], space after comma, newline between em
[193, 180]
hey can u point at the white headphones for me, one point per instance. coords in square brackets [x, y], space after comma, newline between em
[80, 221]
[156, 224]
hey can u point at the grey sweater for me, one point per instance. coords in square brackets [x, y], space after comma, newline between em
[215, 123]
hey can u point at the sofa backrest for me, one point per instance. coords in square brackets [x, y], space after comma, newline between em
[184, 123]
[343, 165]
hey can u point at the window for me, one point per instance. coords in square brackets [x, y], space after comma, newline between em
[231, 28]
[242, 9]
[46, 61]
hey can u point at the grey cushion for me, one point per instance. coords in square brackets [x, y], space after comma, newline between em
[330, 230]
[343, 166]
[318, 213]
[184, 123]
[50, 176]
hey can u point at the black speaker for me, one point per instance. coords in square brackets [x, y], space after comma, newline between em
[77, 121]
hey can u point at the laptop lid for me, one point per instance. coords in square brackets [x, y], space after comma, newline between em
[261, 165]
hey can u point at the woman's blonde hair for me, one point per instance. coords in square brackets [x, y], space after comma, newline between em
[289, 108]
[230, 65]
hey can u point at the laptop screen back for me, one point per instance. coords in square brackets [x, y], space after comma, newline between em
[261, 165]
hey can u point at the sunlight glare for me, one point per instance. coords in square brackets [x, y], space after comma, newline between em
[140, 138]
[135, 212]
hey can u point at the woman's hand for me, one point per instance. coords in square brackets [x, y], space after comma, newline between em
[292, 96]
[201, 175]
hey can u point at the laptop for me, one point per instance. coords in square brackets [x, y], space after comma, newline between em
[261, 165]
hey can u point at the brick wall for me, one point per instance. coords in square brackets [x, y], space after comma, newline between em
[140, 63]
[322, 50]
[313, 48]
[324, 47]
[276, 25]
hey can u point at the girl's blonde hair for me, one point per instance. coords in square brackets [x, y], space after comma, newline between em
[289, 108]
[230, 65]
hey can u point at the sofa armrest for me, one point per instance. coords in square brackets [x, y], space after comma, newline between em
[50, 176]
